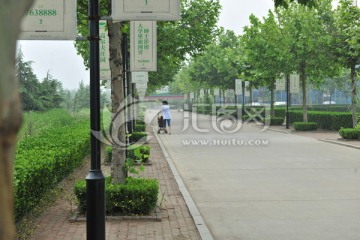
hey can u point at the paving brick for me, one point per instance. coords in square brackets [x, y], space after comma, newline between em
[176, 221]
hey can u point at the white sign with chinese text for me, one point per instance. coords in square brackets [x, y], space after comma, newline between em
[294, 83]
[50, 20]
[280, 84]
[141, 85]
[247, 90]
[105, 73]
[143, 52]
[151, 10]
[238, 86]
[192, 95]
[137, 77]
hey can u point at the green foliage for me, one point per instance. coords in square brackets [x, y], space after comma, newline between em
[44, 160]
[108, 154]
[36, 95]
[136, 196]
[37, 122]
[207, 69]
[275, 121]
[139, 152]
[140, 128]
[305, 126]
[138, 136]
[325, 120]
[350, 133]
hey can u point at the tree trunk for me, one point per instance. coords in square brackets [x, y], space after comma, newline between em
[272, 100]
[11, 13]
[353, 95]
[118, 172]
[303, 83]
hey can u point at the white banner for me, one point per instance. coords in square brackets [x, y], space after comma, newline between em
[247, 90]
[139, 77]
[141, 85]
[150, 10]
[202, 93]
[238, 86]
[216, 92]
[143, 52]
[294, 83]
[192, 95]
[50, 20]
[281, 84]
[105, 73]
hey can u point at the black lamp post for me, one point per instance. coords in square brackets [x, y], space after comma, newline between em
[95, 181]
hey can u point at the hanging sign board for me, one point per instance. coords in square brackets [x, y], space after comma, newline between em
[238, 86]
[143, 52]
[150, 10]
[216, 92]
[105, 73]
[294, 83]
[50, 20]
[247, 90]
[141, 85]
[141, 77]
[280, 84]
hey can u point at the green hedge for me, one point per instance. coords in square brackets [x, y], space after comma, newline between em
[137, 136]
[275, 121]
[305, 126]
[140, 128]
[325, 120]
[136, 196]
[139, 152]
[350, 133]
[44, 160]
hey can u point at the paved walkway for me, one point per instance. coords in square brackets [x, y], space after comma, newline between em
[297, 187]
[288, 186]
[176, 224]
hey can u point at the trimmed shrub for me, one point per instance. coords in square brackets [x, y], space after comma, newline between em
[140, 128]
[275, 121]
[137, 136]
[44, 160]
[350, 133]
[305, 126]
[138, 121]
[136, 196]
[108, 154]
[325, 120]
[139, 152]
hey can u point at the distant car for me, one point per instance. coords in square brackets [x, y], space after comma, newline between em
[329, 102]
[254, 104]
[279, 103]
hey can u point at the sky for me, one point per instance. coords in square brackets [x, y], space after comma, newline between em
[63, 63]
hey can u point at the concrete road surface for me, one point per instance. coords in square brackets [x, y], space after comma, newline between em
[250, 184]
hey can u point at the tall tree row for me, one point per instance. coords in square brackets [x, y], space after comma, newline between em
[36, 95]
[176, 41]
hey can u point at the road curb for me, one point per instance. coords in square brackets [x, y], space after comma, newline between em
[199, 221]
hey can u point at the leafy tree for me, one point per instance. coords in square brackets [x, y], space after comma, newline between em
[264, 46]
[82, 97]
[309, 43]
[347, 38]
[285, 3]
[51, 92]
[219, 65]
[29, 84]
[175, 41]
